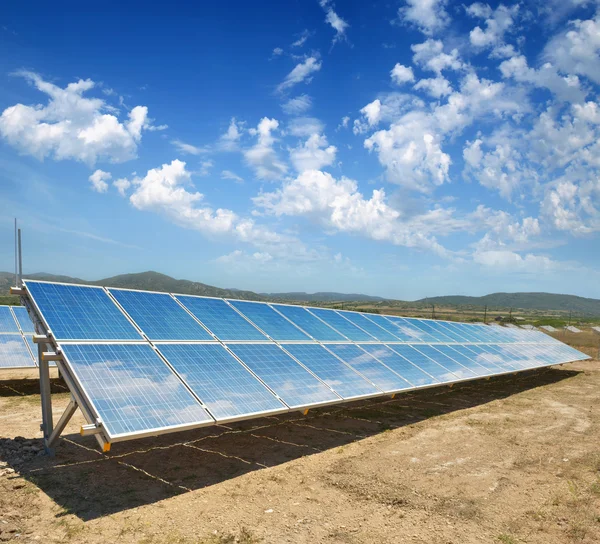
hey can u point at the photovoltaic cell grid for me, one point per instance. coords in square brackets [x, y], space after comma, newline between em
[14, 352]
[159, 316]
[324, 356]
[74, 312]
[132, 389]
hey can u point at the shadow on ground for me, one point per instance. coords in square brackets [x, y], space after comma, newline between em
[89, 484]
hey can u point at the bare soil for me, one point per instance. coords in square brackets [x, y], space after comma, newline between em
[510, 460]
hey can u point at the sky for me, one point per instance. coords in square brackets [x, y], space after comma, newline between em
[405, 149]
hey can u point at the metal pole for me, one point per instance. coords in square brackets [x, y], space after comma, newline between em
[47, 425]
[16, 257]
[20, 262]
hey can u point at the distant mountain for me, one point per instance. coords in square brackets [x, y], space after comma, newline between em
[151, 281]
[323, 297]
[525, 301]
[154, 281]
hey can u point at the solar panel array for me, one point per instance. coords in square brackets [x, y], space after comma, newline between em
[17, 349]
[150, 362]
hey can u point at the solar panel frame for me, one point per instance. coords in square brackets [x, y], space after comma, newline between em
[128, 336]
[65, 349]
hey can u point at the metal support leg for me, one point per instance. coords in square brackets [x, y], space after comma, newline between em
[47, 424]
[62, 423]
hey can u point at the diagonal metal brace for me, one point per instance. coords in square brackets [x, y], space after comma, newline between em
[61, 424]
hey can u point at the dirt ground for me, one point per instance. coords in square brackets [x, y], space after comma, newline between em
[510, 460]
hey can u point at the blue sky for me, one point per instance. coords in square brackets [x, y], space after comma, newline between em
[404, 149]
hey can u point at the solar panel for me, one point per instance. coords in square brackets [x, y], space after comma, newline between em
[490, 366]
[463, 360]
[362, 321]
[23, 319]
[7, 321]
[401, 366]
[454, 367]
[310, 324]
[75, 312]
[269, 321]
[295, 385]
[222, 383]
[14, 352]
[276, 357]
[410, 333]
[343, 326]
[132, 389]
[389, 327]
[368, 366]
[159, 316]
[340, 377]
[432, 368]
[221, 319]
[433, 329]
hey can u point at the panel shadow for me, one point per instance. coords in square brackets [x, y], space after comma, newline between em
[90, 485]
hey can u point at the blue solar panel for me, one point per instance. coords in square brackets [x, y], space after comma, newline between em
[309, 323]
[490, 366]
[23, 319]
[424, 363]
[221, 319]
[269, 321]
[435, 355]
[75, 312]
[369, 326]
[410, 332]
[220, 381]
[159, 316]
[7, 321]
[399, 365]
[491, 353]
[14, 352]
[132, 389]
[293, 384]
[343, 326]
[370, 367]
[462, 359]
[389, 327]
[432, 329]
[340, 377]
[463, 332]
[448, 330]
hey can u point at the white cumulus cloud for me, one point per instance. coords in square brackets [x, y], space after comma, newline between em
[314, 154]
[99, 181]
[302, 72]
[73, 126]
[262, 157]
[429, 16]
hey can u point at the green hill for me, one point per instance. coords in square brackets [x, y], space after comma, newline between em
[525, 301]
[154, 281]
[151, 281]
